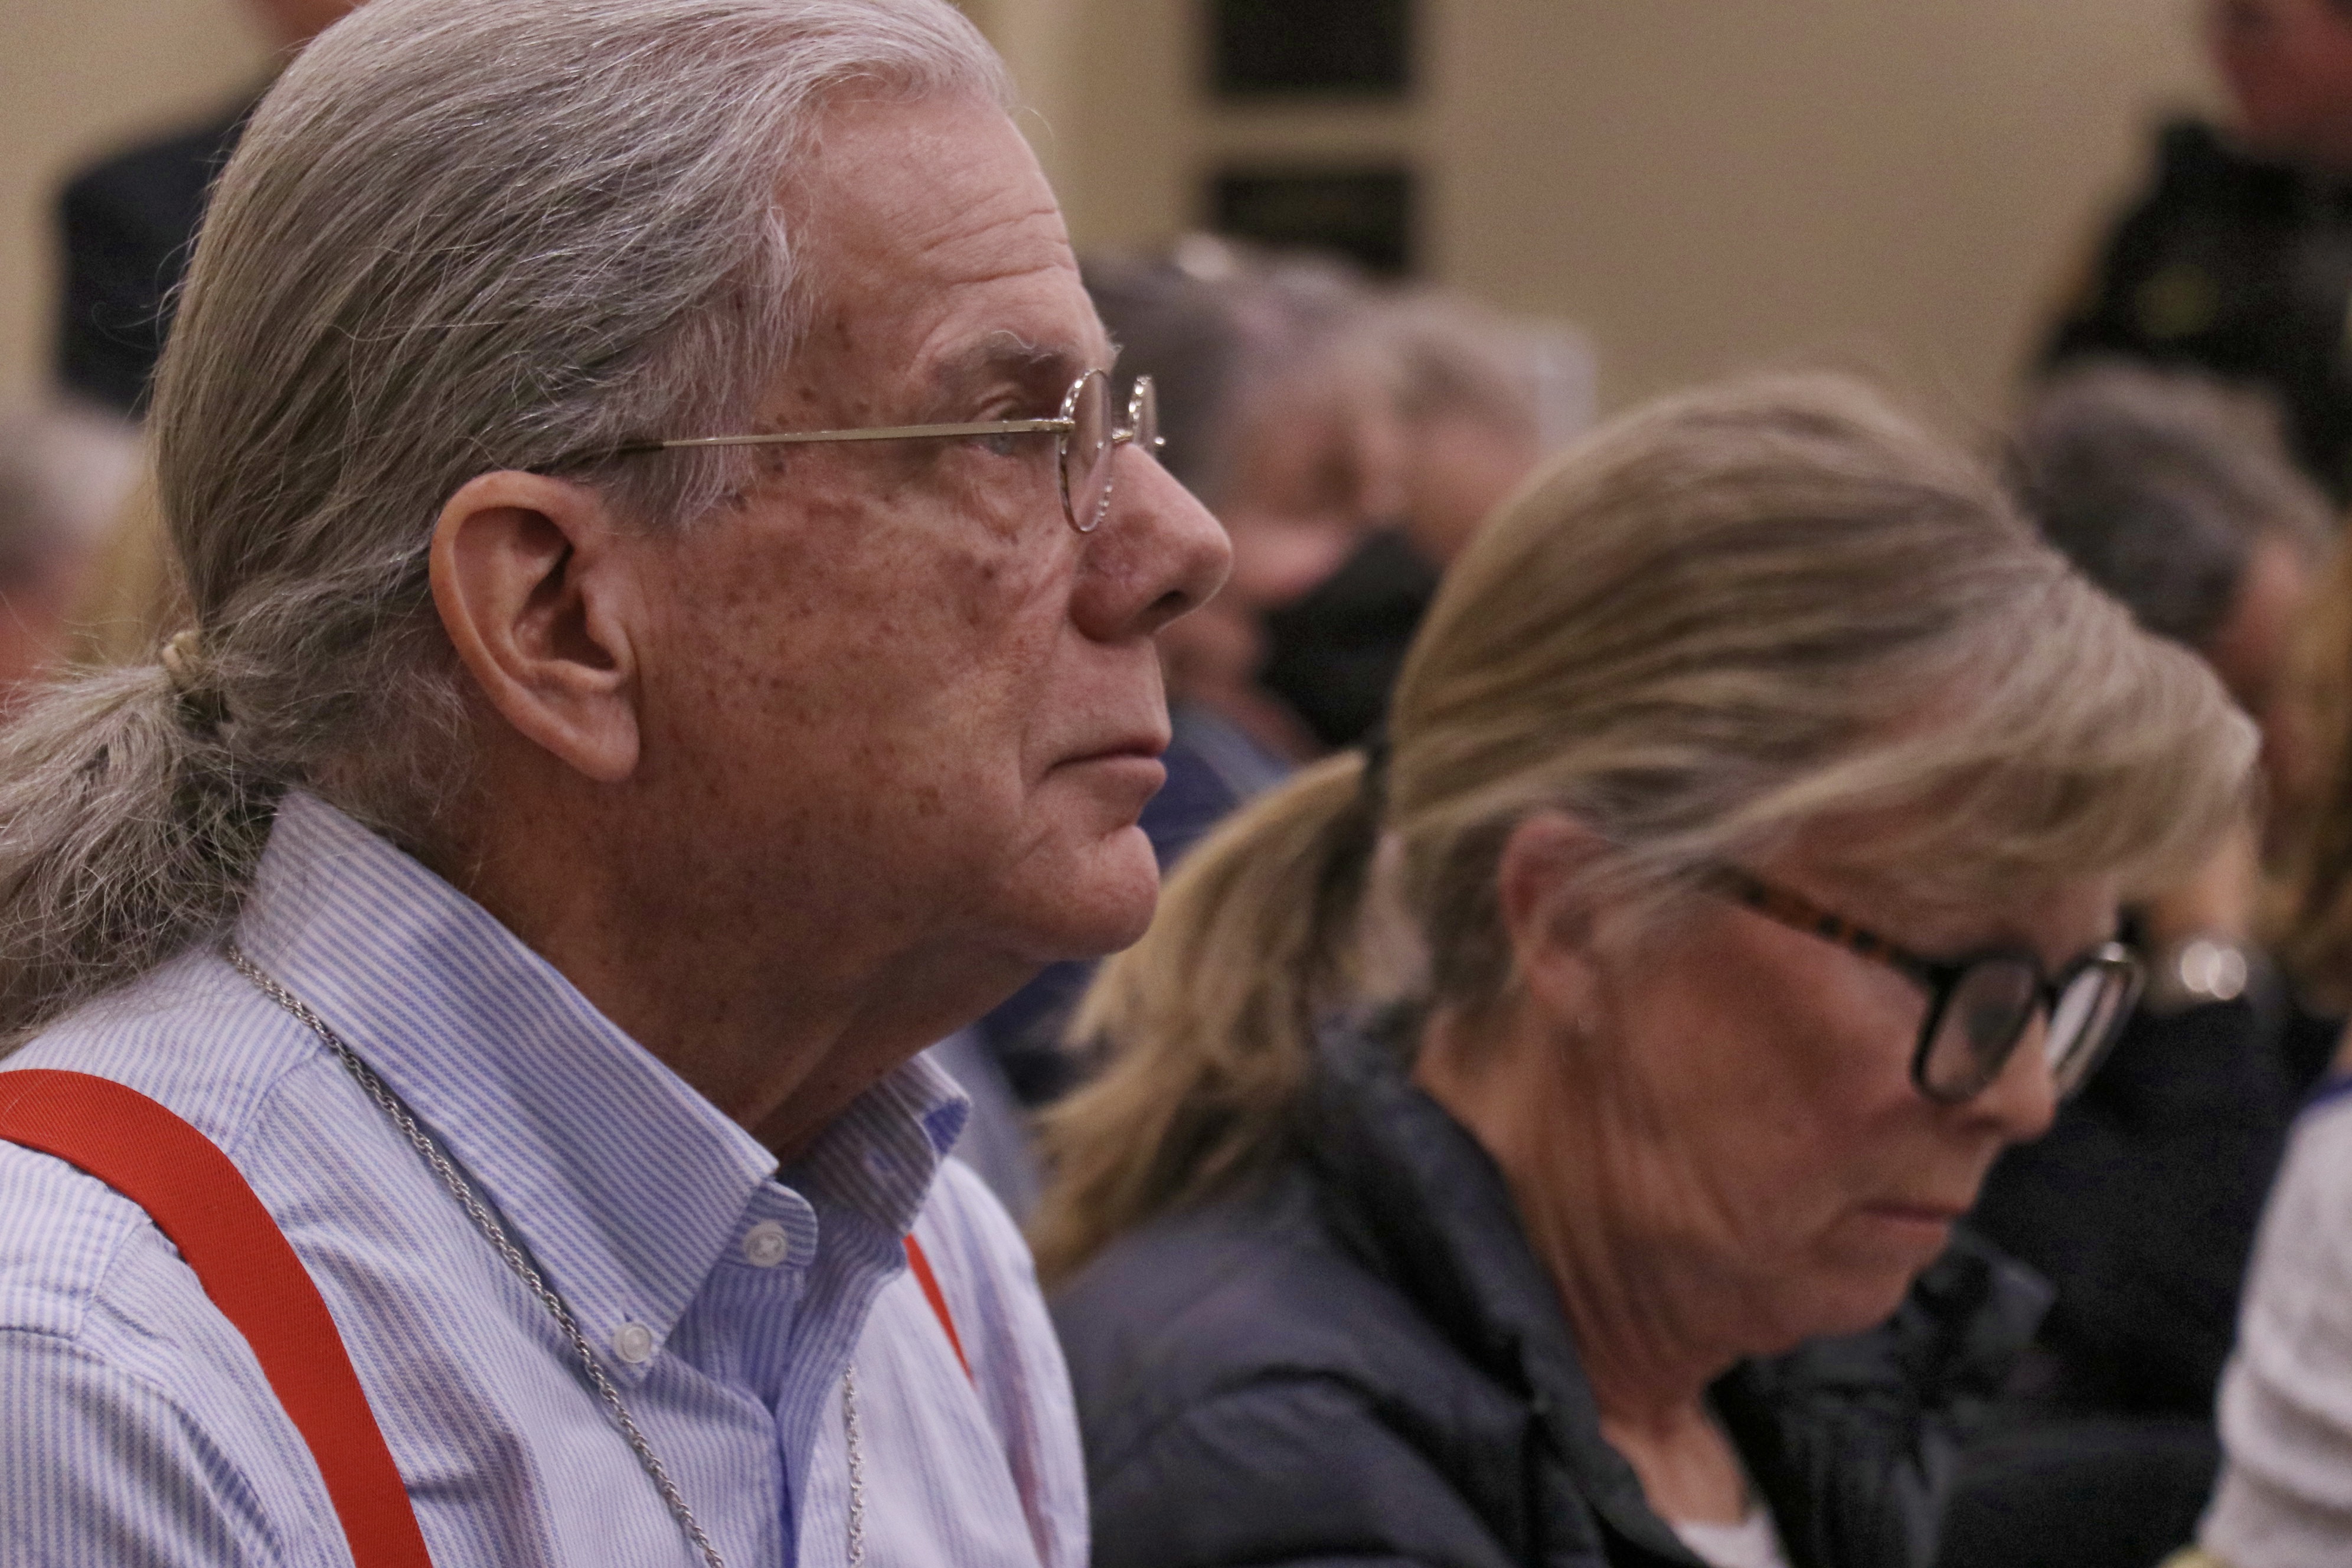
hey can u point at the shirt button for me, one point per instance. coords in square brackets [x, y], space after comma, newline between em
[767, 1244]
[633, 1342]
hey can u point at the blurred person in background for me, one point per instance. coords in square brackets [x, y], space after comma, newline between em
[2239, 259]
[127, 225]
[2177, 495]
[1420, 415]
[1351, 438]
[2175, 492]
[1488, 1116]
[2285, 1495]
[62, 471]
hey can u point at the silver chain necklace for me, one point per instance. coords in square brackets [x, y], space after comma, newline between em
[487, 1224]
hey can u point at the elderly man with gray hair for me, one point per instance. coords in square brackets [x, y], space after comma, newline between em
[673, 633]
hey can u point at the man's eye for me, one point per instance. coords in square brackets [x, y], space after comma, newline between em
[1004, 444]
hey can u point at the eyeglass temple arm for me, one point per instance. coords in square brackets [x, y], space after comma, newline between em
[888, 433]
[1801, 913]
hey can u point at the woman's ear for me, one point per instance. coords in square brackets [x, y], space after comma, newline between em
[1543, 889]
[536, 589]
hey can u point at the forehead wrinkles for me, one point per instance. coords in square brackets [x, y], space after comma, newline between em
[1015, 231]
[911, 208]
[943, 235]
[908, 182]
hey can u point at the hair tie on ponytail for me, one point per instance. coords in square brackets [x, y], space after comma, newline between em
[182, 659]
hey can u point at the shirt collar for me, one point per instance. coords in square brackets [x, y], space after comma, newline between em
[624, 1183]
[878, 1157]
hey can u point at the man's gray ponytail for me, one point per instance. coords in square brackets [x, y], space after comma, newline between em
[128, 831]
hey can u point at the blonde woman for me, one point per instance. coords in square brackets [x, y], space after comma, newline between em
[1481, 1127]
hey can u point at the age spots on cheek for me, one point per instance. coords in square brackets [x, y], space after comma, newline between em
[1009, 590]
[995, 547]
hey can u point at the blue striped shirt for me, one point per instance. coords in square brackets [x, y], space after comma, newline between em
[136, 1426]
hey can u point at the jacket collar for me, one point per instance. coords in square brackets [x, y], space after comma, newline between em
[1422, 1201]
[1855, 1438]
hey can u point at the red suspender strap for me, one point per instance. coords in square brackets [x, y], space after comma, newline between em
[196, 1197]
[930, 1284]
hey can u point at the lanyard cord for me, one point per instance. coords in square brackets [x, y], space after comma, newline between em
[487, 1224]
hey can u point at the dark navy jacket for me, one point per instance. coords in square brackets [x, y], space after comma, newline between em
[129, 224]
[1360, 1361]
[2240, 268]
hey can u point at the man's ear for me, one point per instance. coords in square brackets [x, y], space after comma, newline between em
[535, 588]
[1543, 891]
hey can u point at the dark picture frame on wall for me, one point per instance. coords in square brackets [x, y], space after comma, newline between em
[1364, 212]
[1360, 49]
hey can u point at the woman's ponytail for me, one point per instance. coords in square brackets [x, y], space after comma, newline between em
[1207, 1025]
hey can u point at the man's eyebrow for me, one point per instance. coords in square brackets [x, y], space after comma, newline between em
[1045, 372]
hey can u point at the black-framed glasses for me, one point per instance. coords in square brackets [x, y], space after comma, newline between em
[1980, 1004]
[1084, 440]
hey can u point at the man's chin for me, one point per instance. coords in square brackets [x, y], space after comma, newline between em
[1104, 904]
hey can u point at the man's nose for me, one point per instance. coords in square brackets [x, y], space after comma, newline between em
[1158, 554]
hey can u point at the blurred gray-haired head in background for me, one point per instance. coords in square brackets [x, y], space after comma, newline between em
[2163, 487]
[1351, 437]
[2177, 495]
[2175, 492]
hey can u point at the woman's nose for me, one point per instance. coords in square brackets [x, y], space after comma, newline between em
[2022, 1099]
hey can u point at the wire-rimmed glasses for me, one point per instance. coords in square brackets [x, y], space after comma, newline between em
[1084, 440]
[1980, 1004]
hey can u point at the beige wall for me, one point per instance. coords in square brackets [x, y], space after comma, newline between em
[78, 78]
[1703, 183]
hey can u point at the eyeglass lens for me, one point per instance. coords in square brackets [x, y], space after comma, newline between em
[2089, 1015]
[1088, 449]
[1086, 453]
[1992, 1006]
